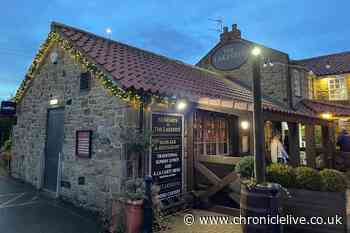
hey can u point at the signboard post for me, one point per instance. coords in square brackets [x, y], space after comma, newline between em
[166, 154]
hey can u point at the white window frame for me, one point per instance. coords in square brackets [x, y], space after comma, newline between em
[337, 91]
[297, 83]
[310, 88]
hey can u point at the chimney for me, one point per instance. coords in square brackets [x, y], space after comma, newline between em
[227, 35]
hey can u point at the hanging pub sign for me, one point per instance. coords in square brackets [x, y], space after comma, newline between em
[166, 159]
[230, 56]
[83, 143]
[8, 108]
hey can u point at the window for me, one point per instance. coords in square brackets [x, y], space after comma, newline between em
[85, 81]
[211, 134]
[297, 83]
[310, 88]
[337, 88]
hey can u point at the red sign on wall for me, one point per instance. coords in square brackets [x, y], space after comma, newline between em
[83, 143]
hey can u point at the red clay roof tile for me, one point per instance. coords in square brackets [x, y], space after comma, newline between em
[135, 68]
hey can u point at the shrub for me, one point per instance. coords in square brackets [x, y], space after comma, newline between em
[308, 178]
[281, 174]
[245, 167]
[333, 180]
[132, 190]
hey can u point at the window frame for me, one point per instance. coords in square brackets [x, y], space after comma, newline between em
[297, 83]
[207, 118]
[342, 86]
[87, 77]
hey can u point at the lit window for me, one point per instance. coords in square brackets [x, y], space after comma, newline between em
[337, 88]
[297, 83]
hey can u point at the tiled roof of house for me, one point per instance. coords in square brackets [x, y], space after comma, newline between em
[131, 67]
[318, 107]
[327, 65]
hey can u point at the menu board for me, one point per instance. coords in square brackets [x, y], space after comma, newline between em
[83, 143]
[166, 162]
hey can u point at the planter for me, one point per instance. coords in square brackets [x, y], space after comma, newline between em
[261, 201]
[305, 203]
[133, 216]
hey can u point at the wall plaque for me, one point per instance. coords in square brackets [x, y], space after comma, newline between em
[230, 56]
[166, 160]
[83, 143]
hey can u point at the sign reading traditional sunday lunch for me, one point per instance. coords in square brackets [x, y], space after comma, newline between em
[167, 154]
[230, 56]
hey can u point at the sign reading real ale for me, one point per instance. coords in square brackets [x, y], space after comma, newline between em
[8, 107]
[166, 159]
[230, 56]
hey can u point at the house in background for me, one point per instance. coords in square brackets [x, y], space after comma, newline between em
[330, 86]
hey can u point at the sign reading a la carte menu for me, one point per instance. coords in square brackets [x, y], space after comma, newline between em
[230, 56]
[166, 159]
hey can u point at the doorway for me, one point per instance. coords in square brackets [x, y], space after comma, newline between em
[54, 141]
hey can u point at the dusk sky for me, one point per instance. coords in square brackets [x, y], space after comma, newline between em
[178, 29]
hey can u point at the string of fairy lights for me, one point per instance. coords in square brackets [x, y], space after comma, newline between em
[132, 96]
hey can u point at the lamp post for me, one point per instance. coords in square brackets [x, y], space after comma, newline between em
[257, 115]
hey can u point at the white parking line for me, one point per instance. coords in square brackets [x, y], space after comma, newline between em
[22, 204]
[9, 194]
[12, 200]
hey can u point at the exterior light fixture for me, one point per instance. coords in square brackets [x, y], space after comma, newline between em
[245, 125]
[326, 115]
[53, 101]
[311, 72]
[256, 51]
[181, 105]
[328, 66]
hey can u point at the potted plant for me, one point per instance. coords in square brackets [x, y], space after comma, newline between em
[257, 200]
[312, 194]
[131, 200]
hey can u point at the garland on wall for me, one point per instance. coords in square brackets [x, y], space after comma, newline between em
[130, 95]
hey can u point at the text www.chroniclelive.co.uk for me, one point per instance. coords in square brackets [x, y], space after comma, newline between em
[190, 219]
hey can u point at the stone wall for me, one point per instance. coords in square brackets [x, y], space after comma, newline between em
[84, 110]
[274, 79]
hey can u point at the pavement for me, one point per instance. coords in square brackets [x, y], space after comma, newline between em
[24, 210]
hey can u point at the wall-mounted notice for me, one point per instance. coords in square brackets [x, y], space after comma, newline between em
[166, 162]
[83, 143]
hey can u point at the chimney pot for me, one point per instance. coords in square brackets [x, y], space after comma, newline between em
[225, 29]
[234, 27]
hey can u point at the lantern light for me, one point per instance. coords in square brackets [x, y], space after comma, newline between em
[245, 125]
[53, 101]
[181, 105]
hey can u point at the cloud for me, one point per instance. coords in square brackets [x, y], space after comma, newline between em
[169, 41]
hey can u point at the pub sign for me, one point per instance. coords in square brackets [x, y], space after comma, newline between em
[230, 56]
[166, 157]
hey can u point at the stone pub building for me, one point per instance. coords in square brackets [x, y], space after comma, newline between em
[82, 90]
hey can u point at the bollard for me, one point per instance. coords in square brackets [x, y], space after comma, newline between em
[148, 206]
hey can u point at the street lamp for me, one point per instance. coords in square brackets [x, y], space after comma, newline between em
[257, 115]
